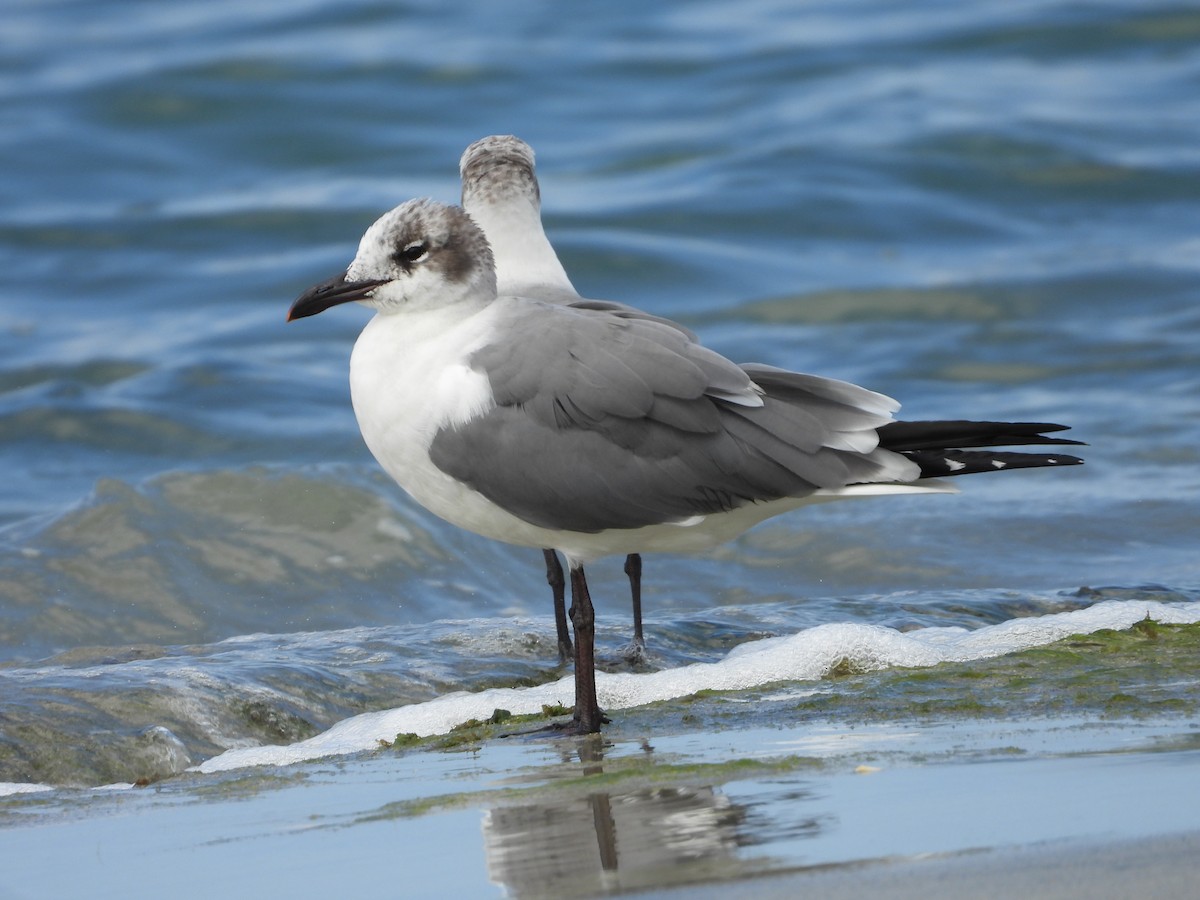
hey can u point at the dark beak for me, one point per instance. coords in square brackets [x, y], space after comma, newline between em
[336, 290]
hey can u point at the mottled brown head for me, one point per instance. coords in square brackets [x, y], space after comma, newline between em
[420, 255]
[497, 166]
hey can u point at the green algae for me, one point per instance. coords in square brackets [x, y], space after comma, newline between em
[271, 723]
[239, 784]
[472, 733]
[1150, 669]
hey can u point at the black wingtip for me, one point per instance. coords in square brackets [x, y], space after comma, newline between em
[961, 433]
[947, 463]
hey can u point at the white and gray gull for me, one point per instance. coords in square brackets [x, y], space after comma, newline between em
[500, 192]
[594, 432]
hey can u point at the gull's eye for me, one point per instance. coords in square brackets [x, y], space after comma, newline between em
[411, 253]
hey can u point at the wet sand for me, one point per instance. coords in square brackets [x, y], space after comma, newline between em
[1158, 868]
[1053, 808]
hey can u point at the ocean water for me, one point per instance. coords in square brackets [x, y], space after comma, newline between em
[984, 210]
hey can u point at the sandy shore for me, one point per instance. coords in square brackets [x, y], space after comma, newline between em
[1158, 868]
[1030, 809]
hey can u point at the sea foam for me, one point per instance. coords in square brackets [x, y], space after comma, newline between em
[804, 656]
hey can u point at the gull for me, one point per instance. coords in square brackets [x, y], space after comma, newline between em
[500, 192]
[597, 433]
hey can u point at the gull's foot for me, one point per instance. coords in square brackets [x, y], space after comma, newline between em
[634, 652]
[576, 726]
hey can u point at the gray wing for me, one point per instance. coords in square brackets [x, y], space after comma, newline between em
[608, 420]
[630, 312]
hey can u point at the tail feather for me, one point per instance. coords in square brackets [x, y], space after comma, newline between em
[943, 463]
[937, 447]
[960, 433]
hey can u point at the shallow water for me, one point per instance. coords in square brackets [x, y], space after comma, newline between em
[985, 210]
[543, 818]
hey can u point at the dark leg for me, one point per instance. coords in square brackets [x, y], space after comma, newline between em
[554, 578]
[633, 568]
[606, 831]
[583, 617]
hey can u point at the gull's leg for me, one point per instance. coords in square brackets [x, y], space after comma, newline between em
[554, 578]
[587, 708]
[636, 650]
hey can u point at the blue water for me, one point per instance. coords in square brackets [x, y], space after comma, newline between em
[984, 210]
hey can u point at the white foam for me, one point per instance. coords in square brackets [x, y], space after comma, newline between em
[7, 788]
[10, 788]
[804, 656]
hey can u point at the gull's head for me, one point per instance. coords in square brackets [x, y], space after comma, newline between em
[498, 168]
[421, 255]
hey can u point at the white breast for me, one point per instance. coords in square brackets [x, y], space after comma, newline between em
[409, 378]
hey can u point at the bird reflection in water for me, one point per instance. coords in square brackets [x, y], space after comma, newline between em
[579, 845]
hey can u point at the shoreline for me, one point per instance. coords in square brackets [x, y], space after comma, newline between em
[944, 812]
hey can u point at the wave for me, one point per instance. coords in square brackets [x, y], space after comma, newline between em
[806, 655]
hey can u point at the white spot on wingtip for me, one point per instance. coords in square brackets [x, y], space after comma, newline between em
[954, 465]
[999, 463]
